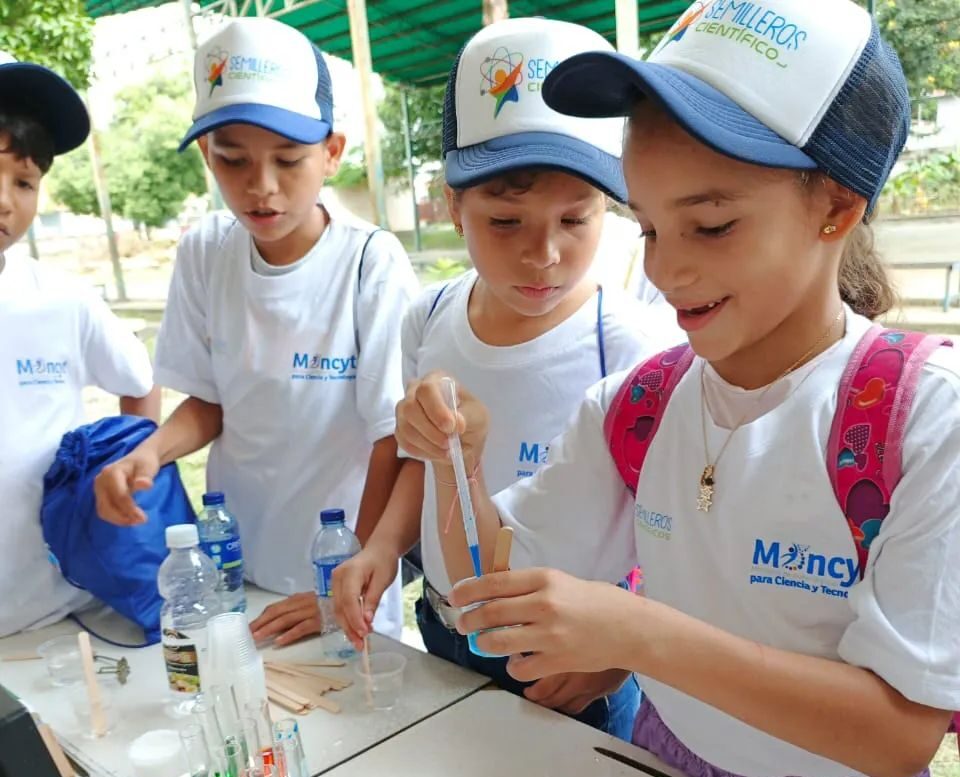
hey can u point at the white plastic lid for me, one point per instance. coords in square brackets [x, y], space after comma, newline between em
[156, 753]
[182, 535]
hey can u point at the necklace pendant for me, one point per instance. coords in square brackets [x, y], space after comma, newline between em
[705, 499]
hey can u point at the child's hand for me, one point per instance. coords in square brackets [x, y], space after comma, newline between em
[367, 574]
[294, 618]
[115, 485]
[565, 624]
[573, 692]
[424, 422]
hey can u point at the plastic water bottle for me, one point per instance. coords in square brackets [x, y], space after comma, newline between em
[334, 544]
[220, 540]
[188, 584]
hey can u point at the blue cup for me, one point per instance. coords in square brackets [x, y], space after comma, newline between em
[472, 636]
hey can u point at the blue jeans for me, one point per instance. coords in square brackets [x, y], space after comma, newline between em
[613, 714]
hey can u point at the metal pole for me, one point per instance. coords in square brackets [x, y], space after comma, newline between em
[360, 43]
[411, 173]
[106, 212]
[628, 27]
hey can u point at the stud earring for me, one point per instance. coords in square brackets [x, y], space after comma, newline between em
[829, 229]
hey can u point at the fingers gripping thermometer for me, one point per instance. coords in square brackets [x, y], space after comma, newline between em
[449, 389]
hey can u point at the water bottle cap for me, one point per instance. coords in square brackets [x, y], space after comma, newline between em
[213, 498]
[332, 516]
[182, 535]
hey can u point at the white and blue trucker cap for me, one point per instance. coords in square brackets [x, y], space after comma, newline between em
[796, 84]
[495, 119]
[265, 73]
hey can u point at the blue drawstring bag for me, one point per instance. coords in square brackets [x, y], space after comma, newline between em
[117, 564]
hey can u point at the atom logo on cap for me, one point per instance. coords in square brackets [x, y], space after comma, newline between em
[502, 74]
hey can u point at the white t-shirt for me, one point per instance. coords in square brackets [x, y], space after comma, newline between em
[307, 370]
[531, 389]
[58, 337]
[774, 560]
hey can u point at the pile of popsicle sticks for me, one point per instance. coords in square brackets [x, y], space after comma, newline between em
[299, 688]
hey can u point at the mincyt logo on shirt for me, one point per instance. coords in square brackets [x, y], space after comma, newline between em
[796, 566]
[532, 454]
[315, 366]
[41, 372]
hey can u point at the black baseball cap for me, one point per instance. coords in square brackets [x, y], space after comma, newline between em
[47, 97]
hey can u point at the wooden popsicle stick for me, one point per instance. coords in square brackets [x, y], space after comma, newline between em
[25, 656]
[53, 747]
[337, 684]
[286, 703]
[292, 671]
[328, 705]
[367, 677]
[98, 720]
[501, 552]
[274, 685]
[330, 662]
[298, 693]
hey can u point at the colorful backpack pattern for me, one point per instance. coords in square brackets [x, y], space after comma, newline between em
[865, 445]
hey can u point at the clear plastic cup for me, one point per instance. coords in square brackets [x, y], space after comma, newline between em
[385, 678]
[230, 648]
[80, 704]
[62, 658]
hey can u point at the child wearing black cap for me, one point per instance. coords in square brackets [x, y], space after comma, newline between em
[57, 338]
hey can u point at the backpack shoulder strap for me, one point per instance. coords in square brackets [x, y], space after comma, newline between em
[633, 418]
[436, 301]
[866, 439]
[356, 296]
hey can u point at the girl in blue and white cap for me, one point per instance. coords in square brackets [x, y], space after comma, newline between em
[784, 631]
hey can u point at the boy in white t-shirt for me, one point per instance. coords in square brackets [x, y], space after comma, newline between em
[282, 322]
[529, 330]
[57, 338]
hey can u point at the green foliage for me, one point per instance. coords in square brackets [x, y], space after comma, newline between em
[352, 172]
[54, 33]
[425, 108]
[927, 184]
[70, 182]
[444, 268]
[149, 181]
[153, 180]
[926, 36]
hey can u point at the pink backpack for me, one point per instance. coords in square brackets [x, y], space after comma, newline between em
[866, 439]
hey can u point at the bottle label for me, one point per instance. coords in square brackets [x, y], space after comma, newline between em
[324, 570]
[228, 557]
[181, 654]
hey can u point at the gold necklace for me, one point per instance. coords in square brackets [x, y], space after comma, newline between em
[708, 481]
